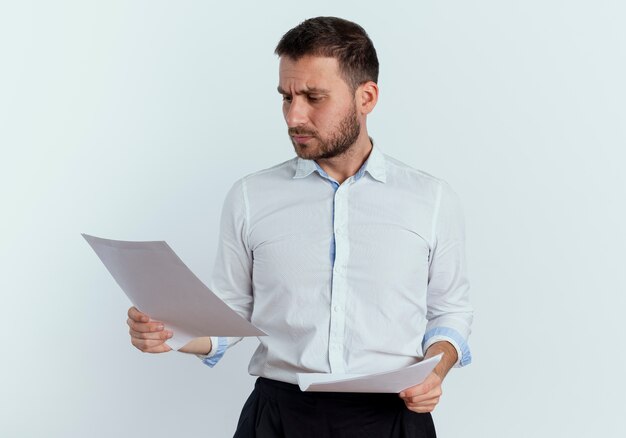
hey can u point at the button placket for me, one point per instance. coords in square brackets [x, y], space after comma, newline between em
[339, 282]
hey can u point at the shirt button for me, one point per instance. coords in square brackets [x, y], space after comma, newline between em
[336, 308]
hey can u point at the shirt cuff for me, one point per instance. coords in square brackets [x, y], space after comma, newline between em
[218, 348]
[438, 334]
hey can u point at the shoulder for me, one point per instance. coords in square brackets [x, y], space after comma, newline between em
[237, 198]
[261, 181]
[401, 173]
[279, 172]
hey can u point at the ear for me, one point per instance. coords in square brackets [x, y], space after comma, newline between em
[366, 97]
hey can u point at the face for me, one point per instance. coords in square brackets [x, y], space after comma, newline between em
[319, 107]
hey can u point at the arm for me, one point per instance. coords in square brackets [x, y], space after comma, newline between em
[449, 313]
[232, 282]
[232, 272]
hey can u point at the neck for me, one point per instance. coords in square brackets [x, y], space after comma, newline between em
[343, 166]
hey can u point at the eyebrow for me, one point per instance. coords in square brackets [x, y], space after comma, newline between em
[305, 91]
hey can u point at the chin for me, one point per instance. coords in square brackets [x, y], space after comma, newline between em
[305, 152]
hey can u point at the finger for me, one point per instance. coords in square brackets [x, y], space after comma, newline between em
[149, 345]
[432, 394]
[414, 390]
[163, 335]
[431, 381]
[422, 409]
[424, 405]
[152, 326]
[431, 400]
[135, 314]
[163, 348]
[421, 389]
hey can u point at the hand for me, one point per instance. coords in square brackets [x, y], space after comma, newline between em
[425, 396]
[147, 335]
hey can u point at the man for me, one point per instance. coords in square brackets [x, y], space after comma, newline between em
[349, 260]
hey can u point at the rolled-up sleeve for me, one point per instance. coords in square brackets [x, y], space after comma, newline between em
[232, 273]
[449, 312]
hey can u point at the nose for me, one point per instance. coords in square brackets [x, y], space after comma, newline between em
[295, 112]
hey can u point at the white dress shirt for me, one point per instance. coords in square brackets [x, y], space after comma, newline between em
[360, 277]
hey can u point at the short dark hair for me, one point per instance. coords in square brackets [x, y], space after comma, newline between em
[337, 38]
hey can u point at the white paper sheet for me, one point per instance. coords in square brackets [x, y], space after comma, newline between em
[159, 284]
[390, 381]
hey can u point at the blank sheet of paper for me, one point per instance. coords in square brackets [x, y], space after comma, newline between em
[390, 381]
[159, 284]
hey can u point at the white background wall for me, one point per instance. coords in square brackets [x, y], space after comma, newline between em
[131, 119]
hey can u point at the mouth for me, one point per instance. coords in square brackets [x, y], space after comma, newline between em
[301, 139]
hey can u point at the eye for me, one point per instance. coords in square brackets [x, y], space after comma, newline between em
[286, 98]
[314, 98]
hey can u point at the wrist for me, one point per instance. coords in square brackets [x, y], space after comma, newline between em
[448, 359]
[201, 346]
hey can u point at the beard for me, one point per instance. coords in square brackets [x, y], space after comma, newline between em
[337, 143]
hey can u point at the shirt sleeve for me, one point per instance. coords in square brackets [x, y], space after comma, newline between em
[449, 312]
[218, 348]
[232, 273]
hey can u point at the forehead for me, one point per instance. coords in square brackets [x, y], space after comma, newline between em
[309, 72]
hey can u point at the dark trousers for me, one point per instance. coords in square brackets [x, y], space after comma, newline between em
[281, 410]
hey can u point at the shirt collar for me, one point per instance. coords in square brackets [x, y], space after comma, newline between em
[375, 166]
[304, 168]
